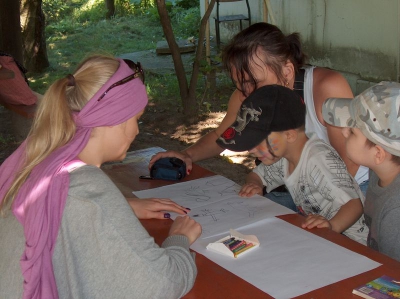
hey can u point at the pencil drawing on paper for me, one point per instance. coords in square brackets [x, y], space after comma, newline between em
[230, 207]
[230, 188]
[197, 194]
[243, 206]
[213, 189]
[215, 200]
[211, 213]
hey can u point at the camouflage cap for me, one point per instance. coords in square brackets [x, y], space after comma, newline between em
[375, 112]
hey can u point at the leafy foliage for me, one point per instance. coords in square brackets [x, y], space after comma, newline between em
[77, 28]
[187, 4]
[55, 10]
[190, 18]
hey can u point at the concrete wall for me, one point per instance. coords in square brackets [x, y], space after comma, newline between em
[359, 38]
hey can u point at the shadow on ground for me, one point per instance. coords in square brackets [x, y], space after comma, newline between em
[160, 127]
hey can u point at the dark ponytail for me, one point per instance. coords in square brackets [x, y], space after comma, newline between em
[298, 58]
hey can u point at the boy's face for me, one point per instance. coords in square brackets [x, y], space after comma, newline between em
[274, 152]
[357, 149]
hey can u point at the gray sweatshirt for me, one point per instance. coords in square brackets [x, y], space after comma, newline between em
[102, 250]
[382, 215]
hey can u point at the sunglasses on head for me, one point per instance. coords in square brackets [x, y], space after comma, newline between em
[137, 73]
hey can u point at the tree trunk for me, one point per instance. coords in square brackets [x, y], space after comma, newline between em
[10, 29]
[199, 50]
[187, 92]
[189, 105]
[34, 41]
[110, 6]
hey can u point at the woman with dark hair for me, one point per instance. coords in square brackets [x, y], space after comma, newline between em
[262, 55]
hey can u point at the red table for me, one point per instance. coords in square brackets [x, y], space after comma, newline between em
[214, 281]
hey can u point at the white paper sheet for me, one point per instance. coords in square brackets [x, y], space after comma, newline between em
[289, 261]
[216, 205]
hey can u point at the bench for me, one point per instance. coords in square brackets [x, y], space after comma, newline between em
[21, 115]
[21, 118]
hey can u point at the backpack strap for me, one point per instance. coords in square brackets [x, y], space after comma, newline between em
[298, 86]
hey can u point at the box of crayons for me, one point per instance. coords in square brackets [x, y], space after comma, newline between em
[234, 245]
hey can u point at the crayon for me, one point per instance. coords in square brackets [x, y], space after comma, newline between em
[237, 245]
[234, 243]
[240, 247]
[228, 241]
[250, 245]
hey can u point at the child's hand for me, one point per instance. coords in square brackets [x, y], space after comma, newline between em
[316, 221]
[250, 189]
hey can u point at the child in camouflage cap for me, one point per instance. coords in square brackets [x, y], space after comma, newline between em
[371, 126]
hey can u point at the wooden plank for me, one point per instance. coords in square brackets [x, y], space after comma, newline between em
[184, 45]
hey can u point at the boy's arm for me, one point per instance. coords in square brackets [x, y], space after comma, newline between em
[389, 236]
[252, 186]
[347, 215]
[206, 147]
[336, 185]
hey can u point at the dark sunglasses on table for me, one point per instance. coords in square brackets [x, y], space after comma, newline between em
[137, 73]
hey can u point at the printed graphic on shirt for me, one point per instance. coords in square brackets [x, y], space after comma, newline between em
[320, 184]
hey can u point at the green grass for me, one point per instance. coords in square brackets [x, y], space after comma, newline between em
[77, 28]
[6, 139]
[69, 41]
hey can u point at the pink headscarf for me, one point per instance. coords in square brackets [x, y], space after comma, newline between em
[40, 202]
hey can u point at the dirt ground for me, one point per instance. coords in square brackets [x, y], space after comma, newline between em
[163, 128]
[7, 143]
[166, 130]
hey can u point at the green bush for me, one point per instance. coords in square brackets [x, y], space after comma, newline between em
[125, 7]
[187, 3]
[186, 22]
[61, 28]
[56, 10]
[94, 13]
[75, 29]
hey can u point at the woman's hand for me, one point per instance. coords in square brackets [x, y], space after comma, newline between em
[186, 226]
[181, 155]
[157, 208]
[316, 221]
[250, 189]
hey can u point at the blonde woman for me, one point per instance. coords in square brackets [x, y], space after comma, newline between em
[64, 221]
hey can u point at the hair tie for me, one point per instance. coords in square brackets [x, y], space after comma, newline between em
[71, 80]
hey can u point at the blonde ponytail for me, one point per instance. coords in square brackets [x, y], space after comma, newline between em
[53, 125]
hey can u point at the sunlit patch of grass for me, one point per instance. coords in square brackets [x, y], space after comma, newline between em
[79, 28]
[163, 88]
